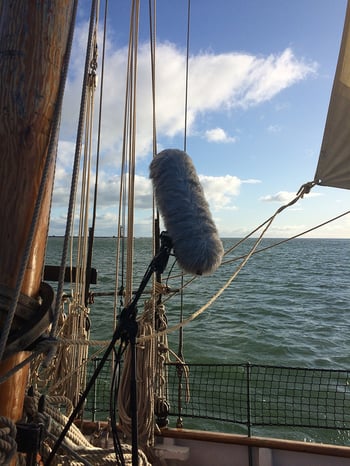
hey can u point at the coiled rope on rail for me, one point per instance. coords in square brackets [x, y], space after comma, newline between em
[75, 449]
[70, 362]
[54, 378]
[146, 379]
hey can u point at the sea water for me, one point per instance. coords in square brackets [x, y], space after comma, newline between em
[288, 306]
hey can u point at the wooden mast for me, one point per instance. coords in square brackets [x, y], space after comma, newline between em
[33, 40]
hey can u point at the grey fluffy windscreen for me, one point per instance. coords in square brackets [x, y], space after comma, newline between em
[185, 211]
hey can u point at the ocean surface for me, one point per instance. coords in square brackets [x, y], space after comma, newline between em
[288, 306]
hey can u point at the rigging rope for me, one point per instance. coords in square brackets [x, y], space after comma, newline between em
[278, 243]
[76, 165]
[131, 138]
[157, 309]
[145, 355]
[127, 176]
[100, 117]
[180, 342]
[152, 28]
[187, 70]
[81, 261]
[70, 358]
[76, 324]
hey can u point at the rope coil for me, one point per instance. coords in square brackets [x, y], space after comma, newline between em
[75, 449]
[8, 446]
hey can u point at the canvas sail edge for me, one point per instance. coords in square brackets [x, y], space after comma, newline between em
[333, 167]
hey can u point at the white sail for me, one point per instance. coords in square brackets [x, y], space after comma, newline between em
[334, 161]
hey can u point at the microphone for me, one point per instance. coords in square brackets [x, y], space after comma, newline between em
[185, 211]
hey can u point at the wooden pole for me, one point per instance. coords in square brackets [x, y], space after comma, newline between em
[33, 40]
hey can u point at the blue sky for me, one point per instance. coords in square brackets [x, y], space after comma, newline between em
[260, 77]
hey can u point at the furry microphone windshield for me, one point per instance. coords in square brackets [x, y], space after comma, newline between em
[185, 211]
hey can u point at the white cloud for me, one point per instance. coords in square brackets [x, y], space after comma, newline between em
[274, 129]
[251, 181]
[281, 196]
[284, 197]
[216, 82]
[220, 190]
[109, 188]
[237, 79]
[268, 76]
[218, 135]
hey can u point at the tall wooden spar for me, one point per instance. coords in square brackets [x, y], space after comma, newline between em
[33, 41]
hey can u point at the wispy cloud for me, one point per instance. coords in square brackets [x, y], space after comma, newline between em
[284, 197]
[251, 181]
[281, 197]
[274, 129]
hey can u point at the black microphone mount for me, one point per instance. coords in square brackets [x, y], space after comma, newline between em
[158, 265]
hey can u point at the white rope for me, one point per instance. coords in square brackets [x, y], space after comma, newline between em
[76, 449]
[83, 229]
[76, 166]
[71, 359]
[55, 377]
[145, 374]
[8, 446]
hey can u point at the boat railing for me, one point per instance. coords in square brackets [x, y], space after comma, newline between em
[252, 399]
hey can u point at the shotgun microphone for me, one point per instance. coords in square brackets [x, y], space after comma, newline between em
[185, 211]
